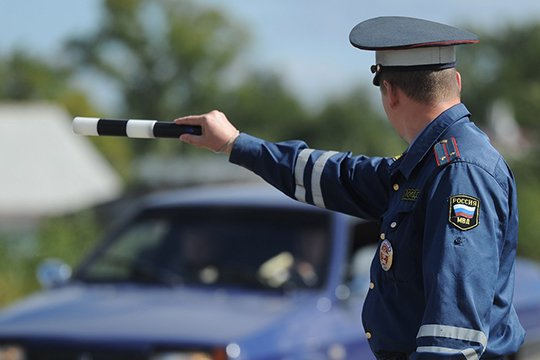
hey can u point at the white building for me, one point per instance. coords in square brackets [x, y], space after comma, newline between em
[45, 169]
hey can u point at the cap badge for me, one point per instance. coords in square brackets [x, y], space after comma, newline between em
[386, 255]
[375, 68]
[463, 212]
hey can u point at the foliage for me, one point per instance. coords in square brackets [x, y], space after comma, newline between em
[262, 106]
[529, 208]
[352, 124]
[23, 77]
[164, 58]
[501, 68]
[64, 237]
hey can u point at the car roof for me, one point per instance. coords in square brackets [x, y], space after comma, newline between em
[254, 194]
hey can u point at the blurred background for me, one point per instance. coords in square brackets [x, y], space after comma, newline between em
[279, 70]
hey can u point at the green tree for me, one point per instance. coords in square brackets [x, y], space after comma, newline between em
[63, 237]
[501, 68]
[27, 78]
[165, 58]
[263, 106]
[504, 66]
[353, 124]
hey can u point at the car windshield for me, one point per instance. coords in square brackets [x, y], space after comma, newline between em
[217, 246]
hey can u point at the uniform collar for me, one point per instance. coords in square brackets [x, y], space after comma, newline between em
[429, 137]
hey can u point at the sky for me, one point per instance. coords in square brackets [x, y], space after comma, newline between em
[304, 40]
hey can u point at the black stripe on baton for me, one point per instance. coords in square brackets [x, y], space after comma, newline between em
[164, 129]
[112, 127]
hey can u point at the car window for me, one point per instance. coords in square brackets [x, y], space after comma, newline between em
[218, 246]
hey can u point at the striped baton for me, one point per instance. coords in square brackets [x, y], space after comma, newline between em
[142, 129]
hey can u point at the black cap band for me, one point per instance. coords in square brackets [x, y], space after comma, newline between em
[377, 69]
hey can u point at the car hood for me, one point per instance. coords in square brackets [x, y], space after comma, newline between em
[127, 313]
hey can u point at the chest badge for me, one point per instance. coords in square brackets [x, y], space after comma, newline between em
[410, 195]
[464, 211]
[386, 255]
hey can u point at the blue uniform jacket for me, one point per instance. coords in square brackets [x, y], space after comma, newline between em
[442, 280]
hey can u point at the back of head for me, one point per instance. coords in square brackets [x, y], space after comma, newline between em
[425, 86]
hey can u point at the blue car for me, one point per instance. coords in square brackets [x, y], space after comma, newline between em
[218, 273]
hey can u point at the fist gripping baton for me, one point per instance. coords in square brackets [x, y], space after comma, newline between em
[143, 129]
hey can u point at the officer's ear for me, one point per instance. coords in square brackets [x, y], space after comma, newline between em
[383, 87]
[391, 92]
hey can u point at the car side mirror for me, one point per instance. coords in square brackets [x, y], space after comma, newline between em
[53, 272]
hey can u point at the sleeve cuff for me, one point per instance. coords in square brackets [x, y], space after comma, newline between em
[246, 149]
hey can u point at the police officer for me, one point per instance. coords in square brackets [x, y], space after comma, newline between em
[442, 279]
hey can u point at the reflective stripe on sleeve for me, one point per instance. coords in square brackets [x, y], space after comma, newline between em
[469, 354]
[299, 169]
[316, 176]
[453, 332]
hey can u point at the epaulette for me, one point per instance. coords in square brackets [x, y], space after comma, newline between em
[446, 151]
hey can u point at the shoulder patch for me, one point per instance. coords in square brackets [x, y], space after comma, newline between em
[464, 211]
[446, 151]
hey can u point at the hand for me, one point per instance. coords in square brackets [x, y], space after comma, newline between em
[218, 134]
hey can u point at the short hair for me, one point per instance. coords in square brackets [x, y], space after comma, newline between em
[425, 86]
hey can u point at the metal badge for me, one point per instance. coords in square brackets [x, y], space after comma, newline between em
[386, 255]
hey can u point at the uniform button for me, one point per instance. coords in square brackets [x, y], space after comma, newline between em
[368, 335]
[383, 236]
[395, 187]
[393, 225]
[371, 285]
